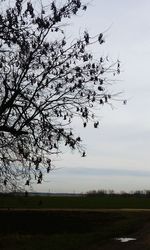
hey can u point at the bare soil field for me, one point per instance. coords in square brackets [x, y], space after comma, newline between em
[69, 229]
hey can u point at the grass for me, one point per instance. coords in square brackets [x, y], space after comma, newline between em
[74, 202]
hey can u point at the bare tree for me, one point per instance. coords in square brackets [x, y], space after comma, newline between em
[44, 83]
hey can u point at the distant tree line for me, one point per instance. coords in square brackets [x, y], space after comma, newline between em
[103, 192]
[91, 193]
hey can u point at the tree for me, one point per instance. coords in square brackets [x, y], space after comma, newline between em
[44, 83]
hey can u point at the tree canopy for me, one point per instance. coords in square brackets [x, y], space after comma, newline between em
[45, 81]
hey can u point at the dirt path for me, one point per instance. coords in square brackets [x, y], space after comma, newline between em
[77, 209]
[142, 241]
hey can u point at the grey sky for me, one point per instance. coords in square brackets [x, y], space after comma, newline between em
[118, 152]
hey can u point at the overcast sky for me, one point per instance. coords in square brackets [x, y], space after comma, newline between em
[118, 152]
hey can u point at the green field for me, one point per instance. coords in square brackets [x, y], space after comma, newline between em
[83, 202]
[41, 229]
